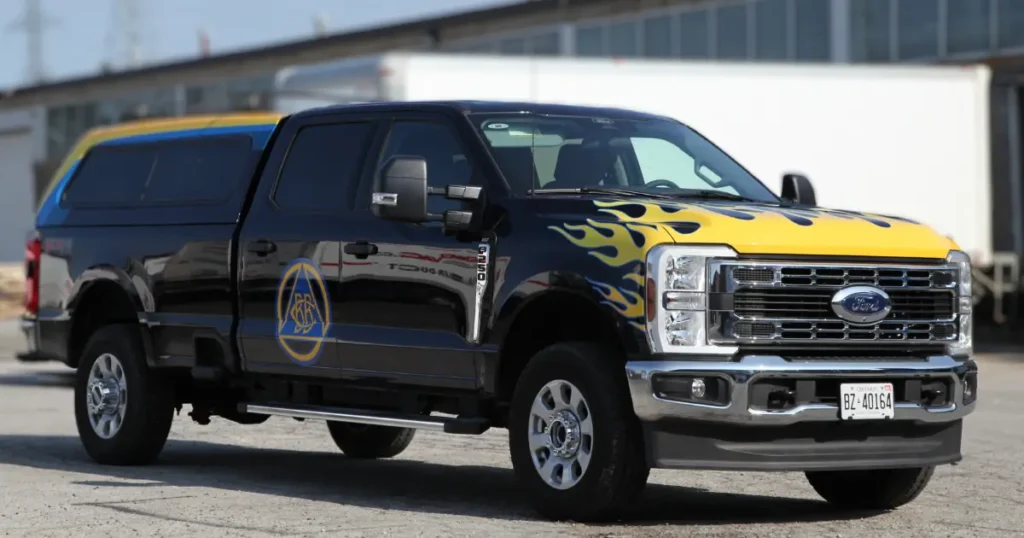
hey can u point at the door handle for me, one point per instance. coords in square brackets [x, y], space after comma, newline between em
[262, 247]
[361, 249]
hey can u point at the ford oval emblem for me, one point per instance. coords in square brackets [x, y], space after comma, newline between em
[861, 304]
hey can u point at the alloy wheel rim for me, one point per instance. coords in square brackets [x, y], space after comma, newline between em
[561, 434]
[106, 396]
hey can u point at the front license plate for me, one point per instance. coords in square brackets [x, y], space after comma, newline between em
[865, 401]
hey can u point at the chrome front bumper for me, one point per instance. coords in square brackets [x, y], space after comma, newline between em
[740, 375]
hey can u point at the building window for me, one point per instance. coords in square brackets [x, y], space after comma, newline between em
[771, 32]
[813, 30]
[658, 37]
[917, 28]
[1011, 23]
[478, 48]
[206, 99]
[967, 25]
[871, 30]
[622, 39]
[731, 32]
[694, 34]
[253, 93]
[590, 41]
[546, 44]
[512, 46]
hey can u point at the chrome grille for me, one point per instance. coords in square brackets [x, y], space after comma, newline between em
[838, 276]
[802, 303]
[792, 303]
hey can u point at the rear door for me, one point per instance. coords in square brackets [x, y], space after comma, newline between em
[289, 244]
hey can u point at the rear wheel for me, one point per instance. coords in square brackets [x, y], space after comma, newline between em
[123, 409]
[370, 442]
[575, 443]
[883, 489]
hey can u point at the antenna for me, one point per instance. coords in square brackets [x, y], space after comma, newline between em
[320, 24]
[124, 39]
[34, 21]
[204, 41]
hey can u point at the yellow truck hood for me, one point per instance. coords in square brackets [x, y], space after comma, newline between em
[751, 229]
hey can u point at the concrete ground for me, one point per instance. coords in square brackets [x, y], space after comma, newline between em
[285, 478]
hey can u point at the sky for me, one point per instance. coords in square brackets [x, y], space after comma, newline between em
[77, 38]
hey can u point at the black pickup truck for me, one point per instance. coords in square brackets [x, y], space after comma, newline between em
[609, 286]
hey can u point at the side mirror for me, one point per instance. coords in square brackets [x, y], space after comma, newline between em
[403, 190]
[798, 189]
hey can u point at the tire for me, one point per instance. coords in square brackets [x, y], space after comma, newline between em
[370, 442]
[148, 407]
[617, 470]
[883, 489]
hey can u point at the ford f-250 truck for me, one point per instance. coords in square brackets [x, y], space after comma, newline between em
[609, 286]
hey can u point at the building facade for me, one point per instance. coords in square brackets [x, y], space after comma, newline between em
[837, 31]
[725, 30]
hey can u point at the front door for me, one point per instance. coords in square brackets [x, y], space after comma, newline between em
[290, 245]
[409, 309]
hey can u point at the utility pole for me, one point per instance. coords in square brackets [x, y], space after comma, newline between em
[34, 22]
[124, 38]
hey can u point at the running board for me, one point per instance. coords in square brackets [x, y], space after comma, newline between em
[473, 426]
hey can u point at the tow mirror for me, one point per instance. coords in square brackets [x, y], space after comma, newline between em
[797, 189]
[403, 190]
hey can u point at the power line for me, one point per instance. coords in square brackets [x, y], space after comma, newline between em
[34, 21]
[124, 39]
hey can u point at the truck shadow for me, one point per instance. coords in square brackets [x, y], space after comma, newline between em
[399, 484]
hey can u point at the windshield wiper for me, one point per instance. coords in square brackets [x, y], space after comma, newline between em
[713, 195]
[602, 190]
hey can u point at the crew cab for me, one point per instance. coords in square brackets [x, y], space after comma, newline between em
[607, 285]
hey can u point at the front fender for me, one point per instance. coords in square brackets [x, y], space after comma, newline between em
[623, 307]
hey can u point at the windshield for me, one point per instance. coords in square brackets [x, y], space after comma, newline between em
[539, 154]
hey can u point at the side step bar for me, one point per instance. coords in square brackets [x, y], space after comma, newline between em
[472, 426]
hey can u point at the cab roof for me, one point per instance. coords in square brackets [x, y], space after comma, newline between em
[487, 107]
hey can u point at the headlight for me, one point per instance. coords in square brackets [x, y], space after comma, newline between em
[964, 345]
[677, 301]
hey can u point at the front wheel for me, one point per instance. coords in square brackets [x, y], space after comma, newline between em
[883, 489]
[574, 440]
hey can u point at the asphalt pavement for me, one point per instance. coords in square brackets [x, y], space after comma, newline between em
[286, 478]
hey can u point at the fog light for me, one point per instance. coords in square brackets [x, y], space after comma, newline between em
[697, 388]
[705, 390]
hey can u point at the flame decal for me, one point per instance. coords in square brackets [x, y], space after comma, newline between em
[628, 303]
[612, 243]
[627, 229]
[683, 213]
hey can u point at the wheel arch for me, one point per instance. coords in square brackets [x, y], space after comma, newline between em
[546, 309]
[104, 296]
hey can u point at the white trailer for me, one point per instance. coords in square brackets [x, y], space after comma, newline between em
[903, 140]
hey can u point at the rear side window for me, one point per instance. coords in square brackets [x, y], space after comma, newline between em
[111, 176]
[179, 171]
[198, 171]
[322, 167]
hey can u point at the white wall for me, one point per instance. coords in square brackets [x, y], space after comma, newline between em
[21, 143]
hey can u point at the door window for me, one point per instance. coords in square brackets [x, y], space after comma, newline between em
[439, 145]
[322, 167]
